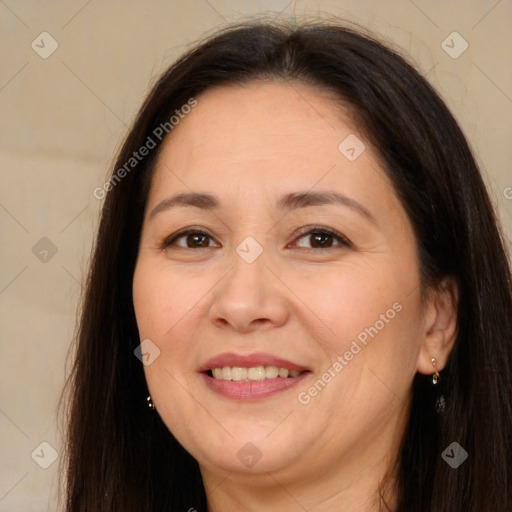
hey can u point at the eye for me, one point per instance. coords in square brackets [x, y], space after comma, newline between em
[322, 238]
[194, 239]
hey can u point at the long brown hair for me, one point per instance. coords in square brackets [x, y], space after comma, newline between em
[120, 456]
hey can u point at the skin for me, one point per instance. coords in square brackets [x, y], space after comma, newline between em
[299, 300]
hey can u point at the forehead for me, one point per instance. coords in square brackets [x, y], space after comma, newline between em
[269, 127]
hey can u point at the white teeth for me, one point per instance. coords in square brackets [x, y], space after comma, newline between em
[226, 373]
[238, 373]
[271, 372]
[256, 373]
[283, 372]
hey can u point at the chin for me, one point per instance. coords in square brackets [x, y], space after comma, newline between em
[239, 455]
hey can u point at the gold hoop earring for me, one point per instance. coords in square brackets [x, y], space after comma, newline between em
[435, 376]
[151, 405]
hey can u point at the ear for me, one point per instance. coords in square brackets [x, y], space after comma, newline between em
[439, 329]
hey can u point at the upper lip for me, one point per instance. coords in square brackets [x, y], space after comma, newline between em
[249, 361]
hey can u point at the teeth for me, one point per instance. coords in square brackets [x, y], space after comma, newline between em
[217, 373]
[256, 373]
[271, 372]
[238, 373]
[283, 372]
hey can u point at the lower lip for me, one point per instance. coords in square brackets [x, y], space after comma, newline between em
[251, 390]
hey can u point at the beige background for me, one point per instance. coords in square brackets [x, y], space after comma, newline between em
[63, 117]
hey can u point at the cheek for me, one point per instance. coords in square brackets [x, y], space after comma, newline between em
[351, 302]
[367, 323]
[167, 305]
[170, 308]
[161, 299]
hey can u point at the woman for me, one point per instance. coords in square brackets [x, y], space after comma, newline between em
[299, 297]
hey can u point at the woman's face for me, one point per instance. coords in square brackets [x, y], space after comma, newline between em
[301, 259]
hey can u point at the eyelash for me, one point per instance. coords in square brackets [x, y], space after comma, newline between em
[343, 242]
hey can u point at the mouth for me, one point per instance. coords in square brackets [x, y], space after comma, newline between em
[251, 377]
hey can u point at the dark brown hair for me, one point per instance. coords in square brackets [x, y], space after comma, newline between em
[120, 456]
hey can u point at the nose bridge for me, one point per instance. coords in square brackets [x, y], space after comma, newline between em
[248, 273]
[247, 293]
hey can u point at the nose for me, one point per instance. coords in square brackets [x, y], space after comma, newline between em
[249, 297]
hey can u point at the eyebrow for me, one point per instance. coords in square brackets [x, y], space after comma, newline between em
[286, 203]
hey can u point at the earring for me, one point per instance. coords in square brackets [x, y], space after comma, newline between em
[435, 377]
[151, 405]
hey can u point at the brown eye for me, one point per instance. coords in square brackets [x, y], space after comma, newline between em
[324, 239]
[321, 240]
[197, 240]
[193, 239]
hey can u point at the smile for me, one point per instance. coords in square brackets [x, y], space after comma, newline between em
[250, 377]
